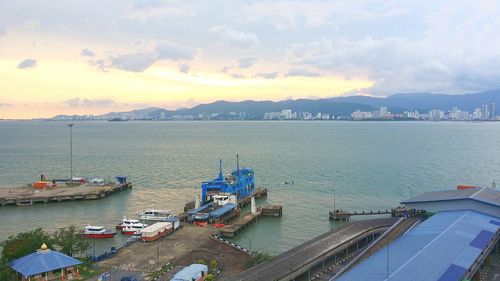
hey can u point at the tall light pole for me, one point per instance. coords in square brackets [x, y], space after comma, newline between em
[334, 210]
[411, 192]
[70, 125]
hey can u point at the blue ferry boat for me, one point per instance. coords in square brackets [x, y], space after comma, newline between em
[239, 182]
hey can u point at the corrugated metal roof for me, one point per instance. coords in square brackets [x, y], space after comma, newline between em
[481, 194]
[437, 249]
[190, 272]
[222, 210]
[201, 208]
[42, 261]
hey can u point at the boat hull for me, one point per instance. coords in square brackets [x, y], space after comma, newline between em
[99, 236]
[130, 232]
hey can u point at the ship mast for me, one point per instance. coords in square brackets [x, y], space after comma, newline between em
[237, 164]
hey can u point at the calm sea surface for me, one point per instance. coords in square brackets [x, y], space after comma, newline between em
[370, 165]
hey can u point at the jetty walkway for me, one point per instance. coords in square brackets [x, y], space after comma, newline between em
[318, 252]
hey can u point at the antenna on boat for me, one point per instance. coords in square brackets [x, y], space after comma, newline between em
[220, 170]
[238, 163]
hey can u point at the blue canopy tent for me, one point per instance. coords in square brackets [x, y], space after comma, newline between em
[41, 263]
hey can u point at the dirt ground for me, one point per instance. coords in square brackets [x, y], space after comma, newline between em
[185, 246]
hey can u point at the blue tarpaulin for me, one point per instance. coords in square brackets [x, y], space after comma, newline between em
[42, 261]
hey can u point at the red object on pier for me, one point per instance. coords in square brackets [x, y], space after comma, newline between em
[460, 187]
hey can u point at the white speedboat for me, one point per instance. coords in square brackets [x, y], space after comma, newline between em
[155, 215]
[127, 222]
[97, 232]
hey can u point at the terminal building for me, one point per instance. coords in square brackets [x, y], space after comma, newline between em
[455, 243]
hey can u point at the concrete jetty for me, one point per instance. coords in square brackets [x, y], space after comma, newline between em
[242, 222]
[27, 196]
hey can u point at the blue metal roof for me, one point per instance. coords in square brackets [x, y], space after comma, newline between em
[201, 208]
[443, 247]
[222, 210]
[42, 261]
[480, 194]
[190, 272]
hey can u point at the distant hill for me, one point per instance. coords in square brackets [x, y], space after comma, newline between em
[338, 106]
[427, 101]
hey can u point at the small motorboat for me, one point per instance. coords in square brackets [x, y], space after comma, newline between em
[97, 232]
[126, 222]
[155, 215]
[131, 231]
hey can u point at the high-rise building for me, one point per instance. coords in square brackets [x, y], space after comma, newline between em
[493, 113]
[485, 112]
[383, 111]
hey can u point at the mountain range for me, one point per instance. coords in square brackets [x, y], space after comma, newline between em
[338, 106]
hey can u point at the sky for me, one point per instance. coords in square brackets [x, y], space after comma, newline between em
[93, 57]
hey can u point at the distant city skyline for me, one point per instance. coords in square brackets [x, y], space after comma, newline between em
[93, 57]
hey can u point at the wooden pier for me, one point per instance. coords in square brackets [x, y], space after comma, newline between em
[27, 196]
[249, 218]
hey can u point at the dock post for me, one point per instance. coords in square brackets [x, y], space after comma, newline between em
[253, 207]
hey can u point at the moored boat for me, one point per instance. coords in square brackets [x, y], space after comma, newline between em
[127, 222]
[155, 215]
[132, 230]
[97, 232]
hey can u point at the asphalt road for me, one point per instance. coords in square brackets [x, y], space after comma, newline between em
[310, 250]
[117, 275]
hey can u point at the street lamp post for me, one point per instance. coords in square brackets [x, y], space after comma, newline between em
[411, 192]
[334, 210]
[70, 125]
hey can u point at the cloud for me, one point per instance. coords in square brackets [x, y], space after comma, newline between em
[27, 63]
[238, 76]
[184, 68]
[173, 51]
[144, 9]
[301, 72]
[142, 60]
[87, 53]
[32, 24]
[235, 38]
[267, 75]
[247, 62]
[136, 62]
[3, 105]
[291, 14]
[76, 102]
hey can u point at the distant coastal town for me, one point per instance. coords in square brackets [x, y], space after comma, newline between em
[487, 112]
[483, 113]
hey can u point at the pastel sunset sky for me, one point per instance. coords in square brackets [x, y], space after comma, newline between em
[93, 57]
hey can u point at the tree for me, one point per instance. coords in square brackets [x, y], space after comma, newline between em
[24, 243]
[210, 277]
[214, 265]
[259, 257]
[20, 245]
[70, 241]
